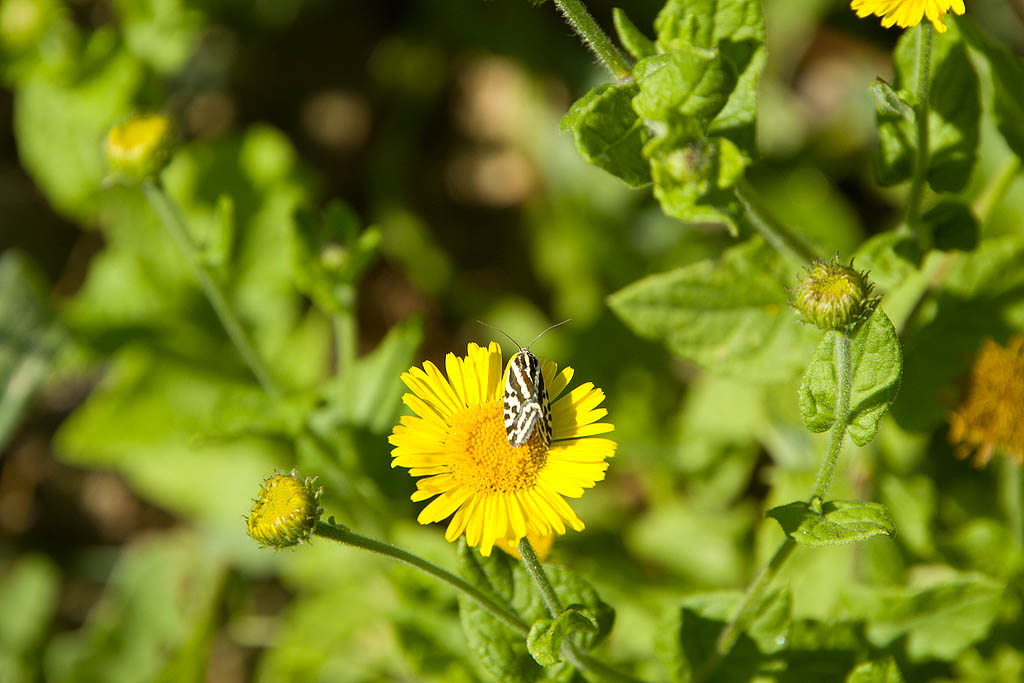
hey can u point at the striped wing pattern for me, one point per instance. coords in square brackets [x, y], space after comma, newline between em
[526, 400]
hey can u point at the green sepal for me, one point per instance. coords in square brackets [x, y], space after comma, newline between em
[836, 522]
[546, 635]
[876, 367]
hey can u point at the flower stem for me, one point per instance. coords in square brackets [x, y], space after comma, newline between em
[842, 415]
[727, 638]
[775, 234]
[924, 61]
[170, 216]
[596, 39]
[540, 578]
[342, 534]
[570, 651]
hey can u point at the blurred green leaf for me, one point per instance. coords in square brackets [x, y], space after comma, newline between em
[839, 522]
[876, 362]
[60, 123]
[163, 33]
[729, 315]
[29, 593]
[940, 615]
[636, 43]
[155, 622]
[879, 671]
[609, 134]
[1007, 73]
[29, 338]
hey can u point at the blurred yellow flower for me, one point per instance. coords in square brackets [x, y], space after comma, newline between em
[496, 494]
[991, 416]
[906, 13]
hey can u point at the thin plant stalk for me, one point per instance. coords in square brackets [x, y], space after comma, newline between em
[730, 633]
[922, 159]
[597, 40]
[170, 216]
[774, 233]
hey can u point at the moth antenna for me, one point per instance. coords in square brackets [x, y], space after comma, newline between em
[503, 332]
[547, 330]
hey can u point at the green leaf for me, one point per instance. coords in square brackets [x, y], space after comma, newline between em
[60, 125]
[163, 34]
[736, 29]
[155, 621]
[894, 160]
[546, 635]
[953, 120]
[632, 38]
[728, 315]
[837, 523]
[29, 592]
[953, 226]
[876, 362]
[369, 394]
[693, 179]
[29, 338]
[688, 85]
[879, 671]
[1007, 92]
[609, 134]
[940, 616]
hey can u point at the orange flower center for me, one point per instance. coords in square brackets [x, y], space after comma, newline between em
[480, 457]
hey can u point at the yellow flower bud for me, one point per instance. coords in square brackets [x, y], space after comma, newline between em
[834, 296]
[140, 147]
[286, 511]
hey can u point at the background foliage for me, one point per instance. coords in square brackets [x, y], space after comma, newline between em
[134, 437]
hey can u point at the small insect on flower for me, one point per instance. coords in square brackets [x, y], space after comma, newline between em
[526, 403]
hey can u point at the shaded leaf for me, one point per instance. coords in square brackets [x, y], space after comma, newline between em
[1007, 93]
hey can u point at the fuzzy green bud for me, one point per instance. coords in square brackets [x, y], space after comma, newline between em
[140, 147]
[834, 296]
[286, 511]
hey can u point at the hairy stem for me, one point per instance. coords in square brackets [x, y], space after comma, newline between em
[924, 60]
[596, 39]
[775, 234]
[844, 372]
[342, 534]
[170, 216]
[570, 651]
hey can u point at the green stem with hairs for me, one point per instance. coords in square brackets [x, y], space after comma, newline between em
[170, 216]
[923, 157]
[844, 371]
[740, 620]
[597, 40]
[570, 651]
[342, 534]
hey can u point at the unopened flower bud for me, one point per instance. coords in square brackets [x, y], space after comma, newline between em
[834, 296]
[286, 511]
[140, 147]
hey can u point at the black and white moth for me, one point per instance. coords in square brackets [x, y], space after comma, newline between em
[526, 404]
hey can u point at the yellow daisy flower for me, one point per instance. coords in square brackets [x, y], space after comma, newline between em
[905, 13]
[496, 494]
